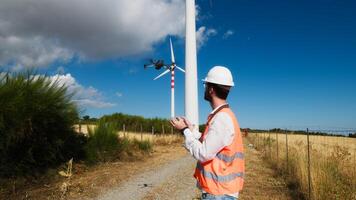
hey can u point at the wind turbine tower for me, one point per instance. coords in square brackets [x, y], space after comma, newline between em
[191, 87]
[172, 81]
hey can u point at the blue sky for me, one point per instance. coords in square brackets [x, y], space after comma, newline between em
[294, 64]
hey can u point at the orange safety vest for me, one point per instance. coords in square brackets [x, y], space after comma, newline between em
[224, 174]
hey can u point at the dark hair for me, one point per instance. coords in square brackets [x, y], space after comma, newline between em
[221, 91]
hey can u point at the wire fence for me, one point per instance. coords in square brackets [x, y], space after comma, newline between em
[319, 166]
[138, 131]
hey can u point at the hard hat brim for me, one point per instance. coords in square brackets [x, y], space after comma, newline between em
[207, 81]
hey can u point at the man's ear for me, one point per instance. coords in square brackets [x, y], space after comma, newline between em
[211, 90]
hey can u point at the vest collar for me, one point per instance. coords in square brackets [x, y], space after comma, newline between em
[215, 111]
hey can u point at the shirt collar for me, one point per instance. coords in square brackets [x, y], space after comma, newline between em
[218, 108]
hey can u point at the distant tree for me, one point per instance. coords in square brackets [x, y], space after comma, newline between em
[86, 117]
[352, 135]
[134, 123]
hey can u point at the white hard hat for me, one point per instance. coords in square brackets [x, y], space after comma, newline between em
[219, 75]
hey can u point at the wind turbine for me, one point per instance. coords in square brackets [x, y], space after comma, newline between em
[191, 84]
[169, 68]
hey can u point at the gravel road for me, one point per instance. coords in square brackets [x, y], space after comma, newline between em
[171, 181]
[174, 180]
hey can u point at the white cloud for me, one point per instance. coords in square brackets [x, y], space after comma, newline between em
[119, 94]
[35, 33]
[228, 33]
[94, 103]
[60, 70]
[203, 35]
[31, 51]
[84, 96]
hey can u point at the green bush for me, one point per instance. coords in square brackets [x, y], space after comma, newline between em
[105, 145]
[103, 142]
[134, 123]
[36, 120]
[144, 146]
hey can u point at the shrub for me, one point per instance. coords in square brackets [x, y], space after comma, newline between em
[145, 145]
[103, 142]
[105, 145]
[36, 120]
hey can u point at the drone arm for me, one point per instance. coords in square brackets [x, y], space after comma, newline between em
[149, 65]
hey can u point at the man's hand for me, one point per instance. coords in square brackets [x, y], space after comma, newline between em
[178, 123]
[190, 125]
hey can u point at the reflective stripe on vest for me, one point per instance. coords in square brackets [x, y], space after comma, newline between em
[217, 178]
[228, 159]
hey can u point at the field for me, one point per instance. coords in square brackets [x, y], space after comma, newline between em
[140, 136]
[326, 172]
[83, 128]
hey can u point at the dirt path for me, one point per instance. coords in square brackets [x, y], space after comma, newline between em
[174, 181]
[261, 182]
[171, 181]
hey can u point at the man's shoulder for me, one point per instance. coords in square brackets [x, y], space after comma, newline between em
[223, 117]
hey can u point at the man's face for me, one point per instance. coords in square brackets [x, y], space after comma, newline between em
[207, 95]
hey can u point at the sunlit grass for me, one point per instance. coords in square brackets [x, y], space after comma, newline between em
[332, 163]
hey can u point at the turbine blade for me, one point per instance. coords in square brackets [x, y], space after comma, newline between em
[172, 51]
[159, 76]
[180, 69]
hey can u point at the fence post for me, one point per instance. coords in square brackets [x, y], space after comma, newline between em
[141, 132]
[259, 140]
[264, 144]
[124, 129]
[80, 126]
[277, 148]
[287, 151]
[269, 144]
[354, 166]
[163, 132]
[309, 188]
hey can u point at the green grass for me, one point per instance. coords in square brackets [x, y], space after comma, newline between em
[144, 145]
[105, 145]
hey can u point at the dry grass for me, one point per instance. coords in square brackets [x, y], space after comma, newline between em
[332, 163]
[166, 139]
[83, 128]
[158, 139]
[86, 182]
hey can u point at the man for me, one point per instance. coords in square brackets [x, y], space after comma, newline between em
[219, 149]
